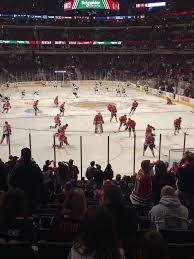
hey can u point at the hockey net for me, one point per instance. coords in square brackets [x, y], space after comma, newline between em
[175, 155]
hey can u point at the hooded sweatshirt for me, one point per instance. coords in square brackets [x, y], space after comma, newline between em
[169, 214]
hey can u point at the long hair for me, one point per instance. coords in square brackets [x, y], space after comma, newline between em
[97, 237]
[75, 204]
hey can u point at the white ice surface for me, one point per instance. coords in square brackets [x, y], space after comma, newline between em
[152, 110]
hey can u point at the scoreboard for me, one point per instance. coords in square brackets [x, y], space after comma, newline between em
[91, 4]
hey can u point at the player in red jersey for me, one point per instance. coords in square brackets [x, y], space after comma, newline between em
[56, 101]
[109, 107]
[98, 122]
[123, 120]
[62, 109]
[6, 132]
[149, 142]
[62, 128]
[134, 107]
[35, 106]
[177, 125]
[149, 129]
[113, 112]
[62, 139]
[57, 121]
[130, 125]
[6, 107]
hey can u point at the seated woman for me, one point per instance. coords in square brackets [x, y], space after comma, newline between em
[66, 225]
[97, 238]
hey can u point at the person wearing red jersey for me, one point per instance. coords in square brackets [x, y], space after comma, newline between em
[56, 101]
[57, 121]
[177, 125]
[62, 139]
[6, 107]
[134, 107]
[35, 106]
[62, 109]
[109, 107]
[113, 112]
[62, 128]
[130, 125]
[149, 129]
[123, 120]
[6, 132]
[149, 142]
[98, 122]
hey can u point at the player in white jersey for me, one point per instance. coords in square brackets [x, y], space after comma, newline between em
[124, 91]
[36, 92]
[75, 91]
[96, 89]
[118, 91]
[23, 93]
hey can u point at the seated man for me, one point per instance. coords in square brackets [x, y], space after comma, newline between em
[169, 214]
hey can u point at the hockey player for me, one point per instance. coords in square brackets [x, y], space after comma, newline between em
[133, 107]
[130, 126]
[62, 128]
[146, 89]
[96, 89]
[118, 91]
[177, 125]
[149, 130]
[124, 91]
[6, 132]
[35, 107]
[23, 93]
[123, 120]
[98, 122]
[56, 101]
[36, 92]
[169, 101]
[149, 142]
[6, 107]
[62, 139]
[113, 112]
[62, 109]
[57, 121]
[75, 91]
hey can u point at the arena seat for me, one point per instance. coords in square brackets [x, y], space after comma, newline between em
[181, 251]
[16, 249]
[50, 250]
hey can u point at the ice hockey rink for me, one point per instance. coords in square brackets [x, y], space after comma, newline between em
[79, 114]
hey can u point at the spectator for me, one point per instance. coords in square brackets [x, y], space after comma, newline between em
[117, 180]
[108, 172]
[91, 171]
[67, 222]
[99, 177]
[46, 165]
[63, 174]
[73, 170]
[153, 246]
[48, 181]
[160, 179]
[169, 213]
[142, 192]
[185, 174]
[11, 163]
[125, 219]
[14, 225]
[3, 176]
[28, 177]
[97, 238]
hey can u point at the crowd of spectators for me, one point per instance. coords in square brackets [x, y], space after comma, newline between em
[99, 215]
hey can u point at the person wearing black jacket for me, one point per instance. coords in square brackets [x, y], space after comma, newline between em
[108, 172]
[28, 177]
[125, 218]
[161, 179]
[185, 175]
